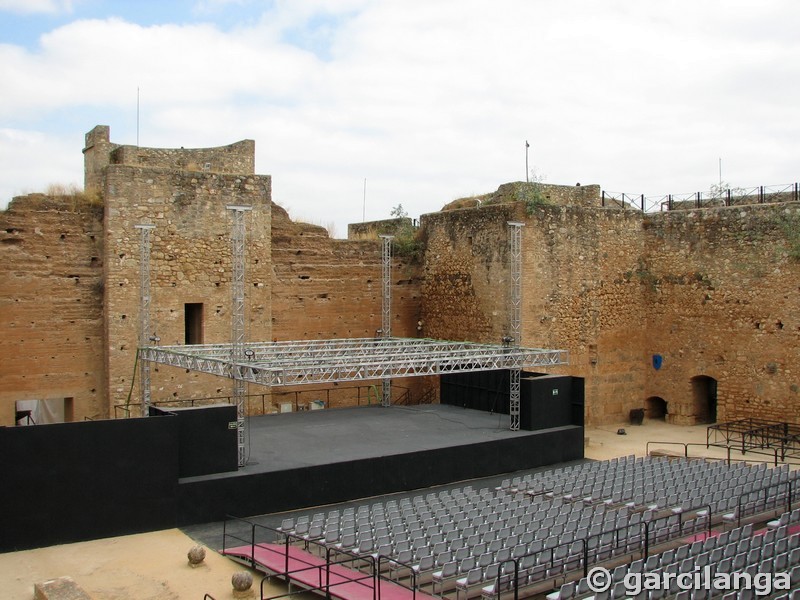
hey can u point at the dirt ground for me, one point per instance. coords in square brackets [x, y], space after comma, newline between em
[153, 566]
[147, 566]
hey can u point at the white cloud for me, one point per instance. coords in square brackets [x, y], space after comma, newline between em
[22, 152]
[435, 101]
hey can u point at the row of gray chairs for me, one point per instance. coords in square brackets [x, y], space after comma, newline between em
[736, 551]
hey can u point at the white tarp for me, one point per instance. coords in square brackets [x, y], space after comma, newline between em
[41, 411]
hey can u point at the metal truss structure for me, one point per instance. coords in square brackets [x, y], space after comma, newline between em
[386, 318]
[515, 312]
[144, 312]
[350, 359]
[237, 319]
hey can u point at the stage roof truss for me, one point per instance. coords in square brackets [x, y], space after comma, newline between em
[350, 359]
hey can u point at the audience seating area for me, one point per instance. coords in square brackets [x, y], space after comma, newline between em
[542, 532]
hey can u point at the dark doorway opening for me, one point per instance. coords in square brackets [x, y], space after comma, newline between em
[193, 322]
[656, 408]
[704, 397]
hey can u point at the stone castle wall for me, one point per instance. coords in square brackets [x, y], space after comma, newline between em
[714, 292]
[190, 263]
[574, 296]
[325, 288]
[99, 152]
[238, 158]
[723, 297]
[51, 324]
[372, 230]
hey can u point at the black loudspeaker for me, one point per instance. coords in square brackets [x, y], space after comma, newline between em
[546, 401]
[550, 401]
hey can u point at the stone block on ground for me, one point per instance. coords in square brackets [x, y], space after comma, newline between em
[62, 588]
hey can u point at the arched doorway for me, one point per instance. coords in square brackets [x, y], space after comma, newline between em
[704, 399]
[656, 408]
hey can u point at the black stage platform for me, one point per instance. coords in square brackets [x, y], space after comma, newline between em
[313, 458]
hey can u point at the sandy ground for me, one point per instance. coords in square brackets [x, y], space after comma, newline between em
[153, 566]
[604, 442]
[148, 566]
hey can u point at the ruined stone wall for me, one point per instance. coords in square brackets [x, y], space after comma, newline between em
[96, 156]
[574, 294]
[465, 276]
[238, 158]
[714, 292]
[723, 293]
[372, 230]
[326, 288]
[536, 193]
[51, 325]
[190, 263]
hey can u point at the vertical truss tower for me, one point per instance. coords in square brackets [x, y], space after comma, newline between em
[238, 238]
[515, 310]
[144, 313]
[386, 319]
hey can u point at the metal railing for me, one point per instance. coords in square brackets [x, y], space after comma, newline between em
[775, 461]
[778, 454]
[633, 538]
[762, 194]
[769, 502]
[387, 560]
[370, 566]
[363, 396]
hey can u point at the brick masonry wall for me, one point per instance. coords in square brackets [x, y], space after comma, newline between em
[51, 324]
[327, 288]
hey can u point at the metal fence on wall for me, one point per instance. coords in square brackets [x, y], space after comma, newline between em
[763, 194]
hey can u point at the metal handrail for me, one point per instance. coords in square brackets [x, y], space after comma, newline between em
[410, 567]
[776, 461]
[762, 194]
[789, 483]
[323, 570]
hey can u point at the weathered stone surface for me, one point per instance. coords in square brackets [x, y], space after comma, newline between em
[51, 308]
[713, 291]
[196, 555]
[63, 588]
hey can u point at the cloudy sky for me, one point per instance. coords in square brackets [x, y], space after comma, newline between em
[426, 100]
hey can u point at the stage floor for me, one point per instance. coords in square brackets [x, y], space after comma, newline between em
[320, 437]
[311, 458]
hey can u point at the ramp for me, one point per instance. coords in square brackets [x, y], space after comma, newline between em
[314, 573]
